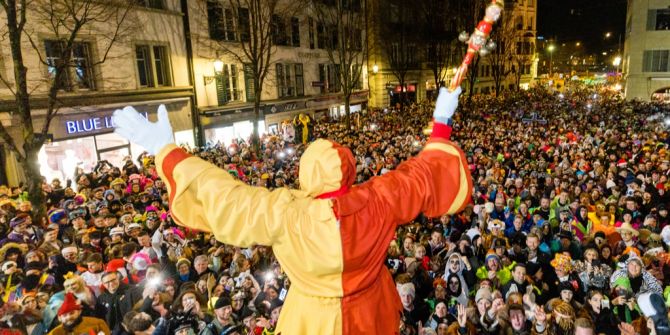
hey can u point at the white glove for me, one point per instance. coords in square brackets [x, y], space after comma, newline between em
[153, 136]
[446, 104]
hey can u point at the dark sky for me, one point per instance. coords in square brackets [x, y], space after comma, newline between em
[585, 21]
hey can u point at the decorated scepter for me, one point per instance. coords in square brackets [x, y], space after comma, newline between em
[478, 42]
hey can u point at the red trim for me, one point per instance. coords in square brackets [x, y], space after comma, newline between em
[334, 194]
[170, 161]
[441, 130]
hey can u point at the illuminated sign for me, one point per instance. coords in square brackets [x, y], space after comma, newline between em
[91, 125]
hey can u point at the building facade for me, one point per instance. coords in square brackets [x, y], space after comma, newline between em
[301, 78]
[519, 25]
[169, 57]
[141, 69]
[646, 66]
[420, 83]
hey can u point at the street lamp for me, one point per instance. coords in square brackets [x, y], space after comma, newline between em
[551, 49]
[375, 69]
[218, 69]
[608, 35]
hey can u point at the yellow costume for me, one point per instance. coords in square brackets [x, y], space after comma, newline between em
[330, 238]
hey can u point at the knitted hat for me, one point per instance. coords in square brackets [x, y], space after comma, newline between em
[69, 304]
[491, 255]
[222, 301]
[56, 215]
[483, 293]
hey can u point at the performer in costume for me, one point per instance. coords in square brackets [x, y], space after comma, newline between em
[330, 237]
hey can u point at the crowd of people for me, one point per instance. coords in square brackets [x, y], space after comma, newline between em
[567, 226]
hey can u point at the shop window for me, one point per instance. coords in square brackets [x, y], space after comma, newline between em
[290, 81]
[78, 73]
[153, 66]
[221, 22]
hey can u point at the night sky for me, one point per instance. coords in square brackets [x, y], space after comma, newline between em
[584, 21]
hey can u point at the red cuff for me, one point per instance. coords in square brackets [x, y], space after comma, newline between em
[441, 130]
[170, 161]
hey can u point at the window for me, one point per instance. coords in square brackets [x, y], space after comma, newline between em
[278, 30]
[658, 19]
[221, 22]
[78, 74]
[214, 18]
[153, 66]
[329, 74]
[156, 4]
[289, 80]
[310, 25]
[243, 24]
[226, 85]
[321, 36]
[655, 61]
[356, 69]
[144, 66]
[295, 31]
[249, 82]
[357, 40]
[299, 80]
[160, 60]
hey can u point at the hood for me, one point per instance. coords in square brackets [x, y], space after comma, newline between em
[327, 169]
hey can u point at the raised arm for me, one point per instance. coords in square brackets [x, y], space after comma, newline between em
[203, 196]
[437, 181]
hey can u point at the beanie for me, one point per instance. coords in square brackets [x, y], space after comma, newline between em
[222, 301]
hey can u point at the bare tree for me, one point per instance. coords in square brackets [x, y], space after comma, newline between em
[522, 60]
[68, 21]
[340, 26]
[439, 31]
[252, 40]
[469, 12]
[501, 57]
[401, 33]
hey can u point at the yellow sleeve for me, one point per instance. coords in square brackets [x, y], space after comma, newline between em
[207, 198]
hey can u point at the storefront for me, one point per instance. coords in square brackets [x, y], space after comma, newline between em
[84, 136]
[402, 93]
[222, 125]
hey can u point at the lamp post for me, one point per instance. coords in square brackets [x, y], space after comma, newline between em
[551, 49]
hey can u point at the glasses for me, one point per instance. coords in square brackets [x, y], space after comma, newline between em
[109, 281]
